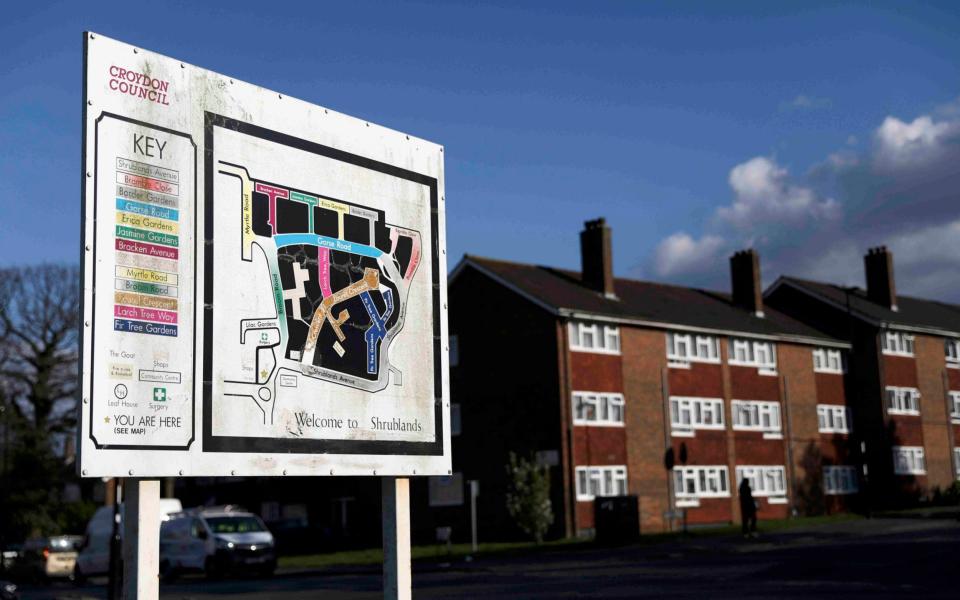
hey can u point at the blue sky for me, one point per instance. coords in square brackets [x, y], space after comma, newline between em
[807, 131]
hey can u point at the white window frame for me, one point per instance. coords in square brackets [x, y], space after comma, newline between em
[829, 360]
[833, 418]
[750, 352]
[896, 343]
[606, 338]
[709, 481]
[954, 398]
[840, 480]
[951, 349]
[760, 408]
[604, 406]
[606, 480]
[956, 462]
[696, 409]
[766, 481]
[902, 400]
[684, 348]
[909, 460]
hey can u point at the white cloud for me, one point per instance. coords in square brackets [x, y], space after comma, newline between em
[764, 193]
[681, 254]
[900, 143]
[901, 191]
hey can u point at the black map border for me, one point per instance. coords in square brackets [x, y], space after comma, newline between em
[212, 443]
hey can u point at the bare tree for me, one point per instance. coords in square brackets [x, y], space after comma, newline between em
[39, 325]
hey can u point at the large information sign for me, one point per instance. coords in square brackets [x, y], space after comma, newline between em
[264, 281]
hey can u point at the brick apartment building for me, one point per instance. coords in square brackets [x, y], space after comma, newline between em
[906, 374]
[609, 380]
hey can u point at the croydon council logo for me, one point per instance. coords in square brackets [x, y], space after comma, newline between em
[139, 85]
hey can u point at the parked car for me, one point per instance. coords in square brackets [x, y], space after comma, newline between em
[94, 556]
[216, 541]
[48, 557]
[8, 591]
[10, 557]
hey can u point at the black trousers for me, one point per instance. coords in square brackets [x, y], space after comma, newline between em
[749, 521]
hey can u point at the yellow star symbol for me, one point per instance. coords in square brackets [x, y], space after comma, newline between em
[106, 419]
[263, 374]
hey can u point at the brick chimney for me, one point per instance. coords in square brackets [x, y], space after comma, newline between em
[596, 256]
[881, 288]
[745, 281]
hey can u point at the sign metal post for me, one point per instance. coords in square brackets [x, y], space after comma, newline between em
[141, 539]
[474, 492]
[396, 538]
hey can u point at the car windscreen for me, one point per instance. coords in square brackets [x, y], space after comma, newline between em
[234, 524]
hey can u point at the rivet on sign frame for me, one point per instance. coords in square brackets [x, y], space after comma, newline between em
[449, 472]
[284, 471]
[85, 471]
[92, 36]
[414, 471]
[408, 137]
[86, 323]
[231, 82]
[89, 174]
[183, 66]
[325, 111]
[87, 247]
[130, 472]
[280, 96]
[89, 102]
[135, 51]
[331, 471]
[233, 472]
[180, 472]
[85, 400]
[374, 471]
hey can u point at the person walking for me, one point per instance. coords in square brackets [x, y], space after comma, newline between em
[748, 509]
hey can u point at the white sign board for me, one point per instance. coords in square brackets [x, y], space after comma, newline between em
[264, 281]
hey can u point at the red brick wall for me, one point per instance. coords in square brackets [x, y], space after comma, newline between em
[746, 383]
[585, 515]
[934, 418]
[703, 380]
[803, 388]
[829, 387]
[900, 370]
[707, 447]
[711, 510]
[594, 446]
[644, 353]
[752, 449]
[953, 376]
[593, 372]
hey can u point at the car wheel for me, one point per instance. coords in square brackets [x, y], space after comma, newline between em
[211, 569]
[167, 572]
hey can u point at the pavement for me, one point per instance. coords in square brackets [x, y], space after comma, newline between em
[881, 557]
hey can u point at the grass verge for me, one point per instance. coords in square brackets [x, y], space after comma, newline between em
[374, 556]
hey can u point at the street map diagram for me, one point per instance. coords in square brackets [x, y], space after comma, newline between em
[339, 274]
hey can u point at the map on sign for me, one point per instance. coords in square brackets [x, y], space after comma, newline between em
[264, 281]
[340, 276]
[321, 293]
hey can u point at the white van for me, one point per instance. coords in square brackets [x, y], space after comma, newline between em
[216, 541]
[94, 556]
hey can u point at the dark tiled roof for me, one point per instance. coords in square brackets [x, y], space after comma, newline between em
[911, 312]
[655, 303]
